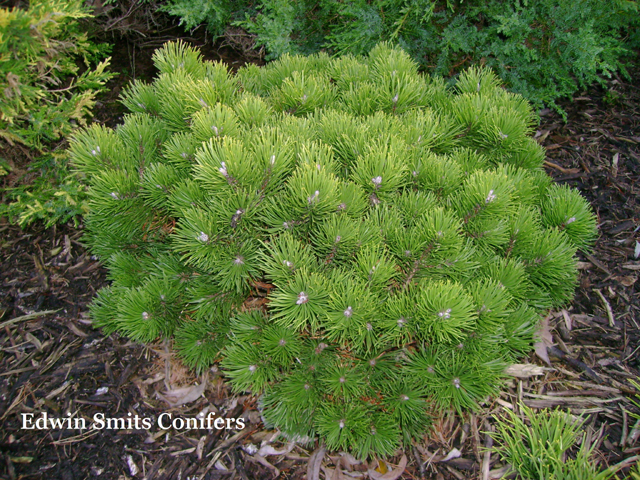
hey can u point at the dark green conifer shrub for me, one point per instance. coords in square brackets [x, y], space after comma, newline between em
[403, 233]
[544, 50]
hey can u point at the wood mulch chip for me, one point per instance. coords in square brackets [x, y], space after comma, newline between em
[53, 360]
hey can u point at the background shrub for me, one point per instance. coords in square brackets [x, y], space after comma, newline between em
[543, 50]
[45, 93]
[49, 78]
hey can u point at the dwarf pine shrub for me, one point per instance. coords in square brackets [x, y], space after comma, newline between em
[357, 243]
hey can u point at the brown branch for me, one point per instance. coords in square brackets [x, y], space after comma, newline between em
[416, 265]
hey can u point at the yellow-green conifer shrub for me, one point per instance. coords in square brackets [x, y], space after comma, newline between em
[403, 233]
[41, 48]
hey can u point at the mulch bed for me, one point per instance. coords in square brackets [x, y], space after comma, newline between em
[53, 360]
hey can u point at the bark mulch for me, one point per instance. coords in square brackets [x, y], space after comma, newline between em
[53, 360]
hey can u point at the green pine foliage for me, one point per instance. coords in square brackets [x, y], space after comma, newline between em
[547, 444]
[354, 266]
[543, 50]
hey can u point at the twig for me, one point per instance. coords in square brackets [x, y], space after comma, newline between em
[486, 461]
[577, 364]
[416, 454]
[238, 464]
[24, 318]
[623, 440]
[631, 354]
[598, 264]
[416, 265]
[607, 306]
[558, 167]
[315, 462]
[617, 467]
[635, 431]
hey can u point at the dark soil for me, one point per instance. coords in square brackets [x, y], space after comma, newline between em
[52, 359]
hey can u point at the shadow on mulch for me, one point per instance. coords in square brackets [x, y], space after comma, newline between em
[53, 361]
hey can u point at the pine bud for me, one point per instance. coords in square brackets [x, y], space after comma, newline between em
[203, 237]
[302, 298]
[348, 312]
[239, 260]
[145, 316]
[314, 197]
[445, 313]
[377, 181]
[484, 308]
[456, 382]
[490, 198]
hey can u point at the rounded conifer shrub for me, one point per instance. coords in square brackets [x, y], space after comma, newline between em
[357, 244]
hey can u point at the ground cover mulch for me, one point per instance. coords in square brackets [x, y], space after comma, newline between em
[52, 359]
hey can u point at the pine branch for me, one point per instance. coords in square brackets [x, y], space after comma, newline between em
[417, 263]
